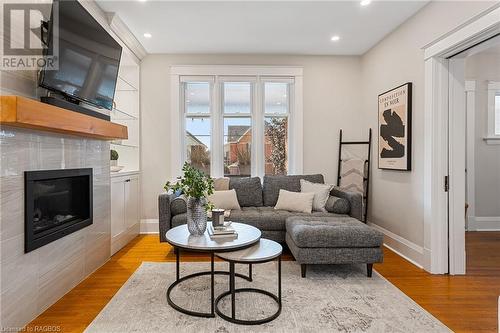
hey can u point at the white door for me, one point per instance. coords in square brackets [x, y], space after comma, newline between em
[457, 167]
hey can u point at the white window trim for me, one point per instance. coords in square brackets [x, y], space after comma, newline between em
[235, 73]
[491, 137]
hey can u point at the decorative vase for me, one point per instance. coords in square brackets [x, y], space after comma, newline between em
[113, 163]
[196, 216]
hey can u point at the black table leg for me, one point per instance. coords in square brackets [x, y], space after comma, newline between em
[250, 273]
[212, 282]
[279, 279]
[177, 274]
[231, 288]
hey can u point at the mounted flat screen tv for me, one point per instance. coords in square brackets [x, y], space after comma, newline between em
[88, 58]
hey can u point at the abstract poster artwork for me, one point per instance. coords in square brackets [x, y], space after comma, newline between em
[394, 119]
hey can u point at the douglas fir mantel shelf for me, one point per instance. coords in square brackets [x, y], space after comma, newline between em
[29, 113]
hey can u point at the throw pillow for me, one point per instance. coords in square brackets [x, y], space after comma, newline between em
[178, 205]
[224, 200]
[338, 205]
[221, 184]
[321, 193]
[248, 191]
[295, 201]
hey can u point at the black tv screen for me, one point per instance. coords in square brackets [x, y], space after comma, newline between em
[88, 57]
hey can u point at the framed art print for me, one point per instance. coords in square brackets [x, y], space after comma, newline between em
[394, 124]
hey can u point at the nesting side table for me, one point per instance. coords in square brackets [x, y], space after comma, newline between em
[264, 251]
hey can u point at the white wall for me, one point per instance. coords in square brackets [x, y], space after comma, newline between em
[331, 101]
[397, 197]
[481, 68]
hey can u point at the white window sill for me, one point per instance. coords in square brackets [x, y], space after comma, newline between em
[492, 140]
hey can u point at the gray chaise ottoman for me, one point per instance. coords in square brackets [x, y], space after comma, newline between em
[333, 240]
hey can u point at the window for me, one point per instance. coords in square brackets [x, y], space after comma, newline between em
[493, 131]
[198, 125]
[276, 110]
[241, 124]
[237, 111]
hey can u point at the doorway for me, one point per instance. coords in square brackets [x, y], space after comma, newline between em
[445, 147]
[474, 162]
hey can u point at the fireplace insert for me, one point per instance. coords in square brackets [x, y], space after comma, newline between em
[57, 203]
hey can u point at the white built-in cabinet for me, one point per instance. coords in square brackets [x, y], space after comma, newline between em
[124, 210]
[125, 185]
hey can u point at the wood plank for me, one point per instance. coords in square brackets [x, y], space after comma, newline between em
[23, 112]
[463, 303]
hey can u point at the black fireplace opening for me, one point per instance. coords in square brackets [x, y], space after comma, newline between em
[57, 203]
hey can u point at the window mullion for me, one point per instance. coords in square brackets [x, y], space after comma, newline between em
[258, 130]
[217, 169]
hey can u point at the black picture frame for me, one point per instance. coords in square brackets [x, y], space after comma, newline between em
[395, 128]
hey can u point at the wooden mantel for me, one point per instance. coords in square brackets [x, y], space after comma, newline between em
[29, 113]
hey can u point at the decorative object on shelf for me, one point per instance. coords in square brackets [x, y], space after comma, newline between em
[394, 116]
[114, 158]
[116, 168]
[196, 186]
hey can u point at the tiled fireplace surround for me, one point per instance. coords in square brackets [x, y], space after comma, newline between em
[31, 282]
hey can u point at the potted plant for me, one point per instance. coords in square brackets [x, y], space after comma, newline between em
[114, 158]
[196, 186]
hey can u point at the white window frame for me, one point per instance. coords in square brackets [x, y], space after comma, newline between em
[218, 73]
[492, 138]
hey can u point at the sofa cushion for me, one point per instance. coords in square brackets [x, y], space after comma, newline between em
[338, 205]
[295, 201]
[263, 218]
[321, 193]
[273, 185]
[178, 220]
[248, 191]
[329, 232]
[224, 200]
[268, 218]
[178, 205]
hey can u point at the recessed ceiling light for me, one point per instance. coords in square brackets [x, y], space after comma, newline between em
[148, 35]
[335, 38]
[365, 2]
[142, 0]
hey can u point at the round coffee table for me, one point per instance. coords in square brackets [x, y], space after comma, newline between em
[264, 251]
[180, 238]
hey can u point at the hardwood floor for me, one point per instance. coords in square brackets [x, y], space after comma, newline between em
[464, 303]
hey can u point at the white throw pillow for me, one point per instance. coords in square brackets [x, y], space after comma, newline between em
[321, 193]
[225, 200]
[295, 201]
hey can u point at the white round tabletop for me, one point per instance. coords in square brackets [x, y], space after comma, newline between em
[180, 237]
[264, 250]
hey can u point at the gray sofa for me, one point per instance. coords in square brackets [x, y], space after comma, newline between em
[315, 238]
[257, 205]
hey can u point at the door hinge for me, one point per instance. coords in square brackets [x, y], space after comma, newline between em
[446, 183]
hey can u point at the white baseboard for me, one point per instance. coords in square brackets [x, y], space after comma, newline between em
[149, 226]
[403, 247]
[484, 223]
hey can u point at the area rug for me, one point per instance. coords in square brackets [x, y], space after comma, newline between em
[336, 298]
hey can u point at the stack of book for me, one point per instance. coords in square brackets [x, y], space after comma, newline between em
[225, 233]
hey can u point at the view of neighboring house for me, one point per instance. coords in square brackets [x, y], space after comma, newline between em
[237, 151]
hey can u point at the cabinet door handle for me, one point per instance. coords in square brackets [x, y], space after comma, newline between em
[127, 180]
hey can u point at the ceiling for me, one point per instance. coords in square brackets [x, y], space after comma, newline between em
[265, 27]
